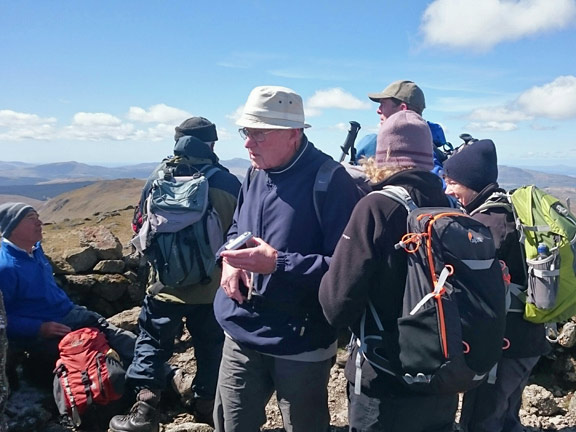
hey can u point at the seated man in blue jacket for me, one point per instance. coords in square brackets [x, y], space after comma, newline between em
[39, 312]
[277, 338]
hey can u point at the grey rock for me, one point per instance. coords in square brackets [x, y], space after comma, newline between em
[106, 244]
[60, 266]
[572, 407]
[567, 336]
[565, 366]
[109, 266]
[136, 293]
[538, 399]
[132, 261]
[25, 410]
[80, 284]
[131, 276]
[81, 259]
[110, 286]
[103, 307]
[127, 319]
[188, 427]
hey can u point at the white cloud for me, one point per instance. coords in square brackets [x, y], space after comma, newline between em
[482, 24]
[9, 118]
[159, 113]
[492, 126]
[500, 114]
[226, 135]
[15, 126]
[555, 100]
[236, 114]
[552, 101]
[158, 132]
[342, 127]
[311, 112]
[97, 126]
[95, 119]
[335, 98]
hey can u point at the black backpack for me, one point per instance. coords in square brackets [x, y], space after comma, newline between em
[451, 331]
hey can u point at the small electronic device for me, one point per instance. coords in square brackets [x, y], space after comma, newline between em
[239, 241]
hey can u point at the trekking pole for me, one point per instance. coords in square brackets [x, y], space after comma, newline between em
[348, 145]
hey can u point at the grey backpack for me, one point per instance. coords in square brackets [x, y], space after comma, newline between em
[181, 231]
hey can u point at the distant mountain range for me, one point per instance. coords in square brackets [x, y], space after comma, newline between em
[19, 173]
[42, 182]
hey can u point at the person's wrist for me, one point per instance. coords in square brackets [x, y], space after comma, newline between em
[275, 267]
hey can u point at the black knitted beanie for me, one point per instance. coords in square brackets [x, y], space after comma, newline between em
[475, 166]
[198, 127]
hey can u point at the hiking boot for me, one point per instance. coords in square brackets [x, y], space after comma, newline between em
[141, 418]
[182, 385]
[202, 410]
[65, 422]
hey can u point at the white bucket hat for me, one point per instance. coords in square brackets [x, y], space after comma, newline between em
[273, 107]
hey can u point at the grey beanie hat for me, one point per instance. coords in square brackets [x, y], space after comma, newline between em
[10, 216]
[404, 140]
[198, 127]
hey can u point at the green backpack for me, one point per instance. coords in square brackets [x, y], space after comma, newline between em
[543, 221]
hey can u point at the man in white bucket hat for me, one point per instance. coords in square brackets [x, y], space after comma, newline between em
[277, 337]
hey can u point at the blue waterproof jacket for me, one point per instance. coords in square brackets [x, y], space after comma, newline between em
[284, 316]
[31, 295]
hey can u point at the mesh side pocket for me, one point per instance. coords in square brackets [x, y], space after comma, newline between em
[543, 281]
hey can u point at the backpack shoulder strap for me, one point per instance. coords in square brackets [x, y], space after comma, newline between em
[209, 171]
[321, 184]
[497, 199]
[400, 195]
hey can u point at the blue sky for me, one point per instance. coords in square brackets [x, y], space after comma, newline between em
[105, 82]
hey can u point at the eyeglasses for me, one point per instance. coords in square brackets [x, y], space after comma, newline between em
[258, 135]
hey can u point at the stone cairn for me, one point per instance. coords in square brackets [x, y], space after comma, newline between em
[100, 273]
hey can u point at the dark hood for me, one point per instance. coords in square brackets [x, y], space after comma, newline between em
[194, 148]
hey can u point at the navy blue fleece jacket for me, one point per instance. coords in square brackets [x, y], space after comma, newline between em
[284, 316]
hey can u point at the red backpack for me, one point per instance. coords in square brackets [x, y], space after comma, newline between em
[87, 372]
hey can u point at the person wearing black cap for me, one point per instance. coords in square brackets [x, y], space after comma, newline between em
[471, 177]
[163, 312]
[39, 312]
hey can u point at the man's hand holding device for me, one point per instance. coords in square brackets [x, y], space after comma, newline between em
[256, 257]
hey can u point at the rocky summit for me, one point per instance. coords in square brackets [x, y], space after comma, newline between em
[95, 265]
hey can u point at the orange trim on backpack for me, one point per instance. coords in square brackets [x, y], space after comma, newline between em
[412, 241]
[438, 297]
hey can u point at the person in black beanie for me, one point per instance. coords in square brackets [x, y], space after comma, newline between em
[475, 167]
[163, 313]
[203, 131]
[198, 127]
[471, 177]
